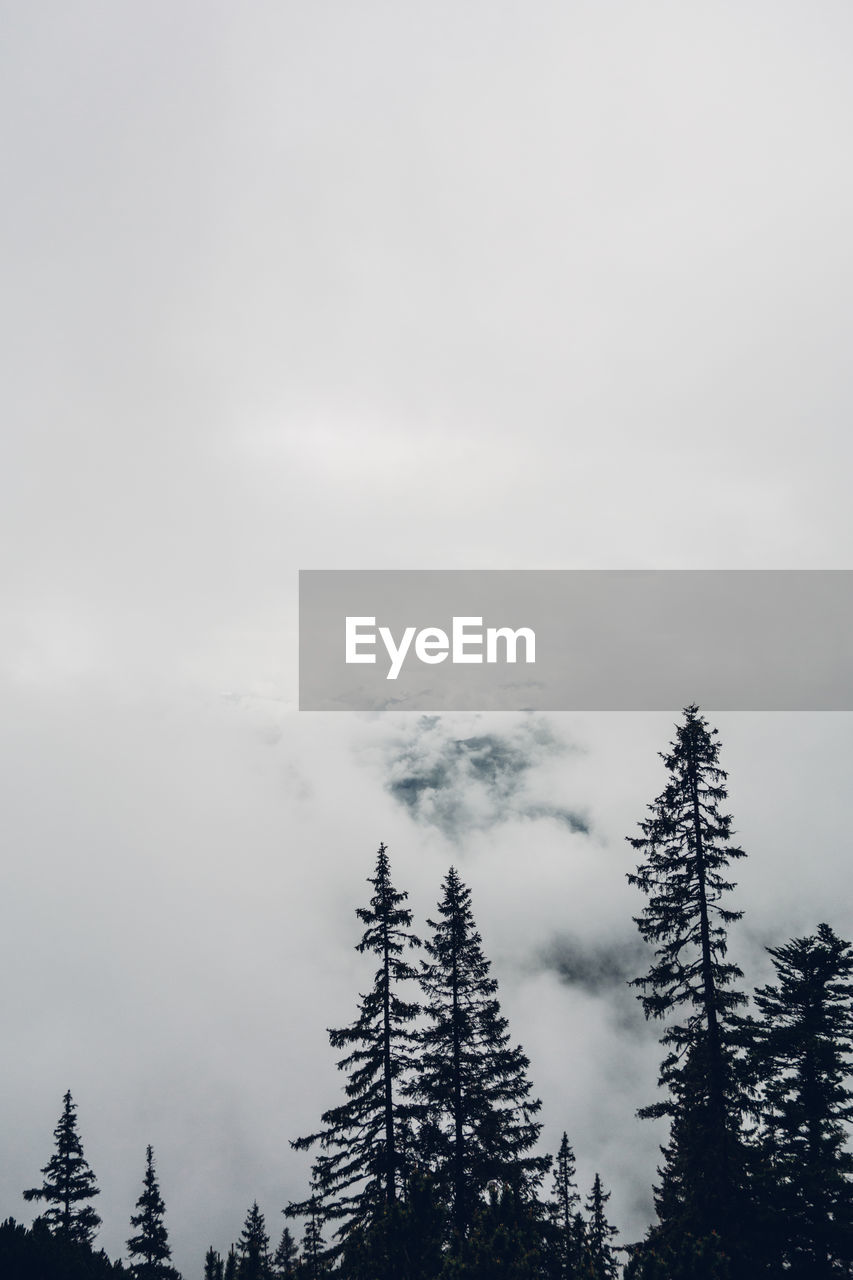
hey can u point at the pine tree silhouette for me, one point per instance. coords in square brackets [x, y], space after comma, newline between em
[213, 1265]
[579, 1248]
[314, 1254]
[36, 1254]
[68, 1184]
[505, 1241]
[472, 1088]
[149, 1249]
[284, 1261]
[686, 845]
[599, 1233]
[253, 1247]
[802, 1044]
[359, 1171]
[563, 1209]
[561, 1217]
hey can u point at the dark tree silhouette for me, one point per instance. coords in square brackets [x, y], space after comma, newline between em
[421, 1225]
[230, 1272]
[313, 1260]
[358, 1171]
[149, 1249]
[68, 1184]
[579, 1248]
[253, 1247]
[505, 1241]
[36, 1254]
[563, 1209]
[601, 1259]
[686, 847]
[214, 1268]
[803, 1041]
[476, 1112]
[284, 1261]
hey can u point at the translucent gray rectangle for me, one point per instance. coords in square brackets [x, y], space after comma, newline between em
[606, 640]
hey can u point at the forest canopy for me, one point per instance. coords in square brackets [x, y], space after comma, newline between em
[431, 1163]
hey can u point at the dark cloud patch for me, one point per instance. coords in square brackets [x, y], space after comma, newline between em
[600, 969]
[461, 784]
[570, 818]
[604, 971]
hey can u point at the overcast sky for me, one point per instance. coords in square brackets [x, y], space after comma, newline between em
[383, 285]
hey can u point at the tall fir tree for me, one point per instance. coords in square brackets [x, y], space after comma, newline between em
[214, 1268]
[149, 1249]
[253, 1247]
[230, 1271]
[563, 1208]
[600, 1256]
[686, 848]
[286, 1254]
[801, 1052]
[358, 1173]
[68, 1183]
[476, 1113]
[313, 1262]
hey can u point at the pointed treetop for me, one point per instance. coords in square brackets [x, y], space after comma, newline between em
[360, 1168]
[149, 1248]
[285, 1259]
[565, 1190]
[599, 1234]
[68, 1183]
[388, 922]
[471, 1086]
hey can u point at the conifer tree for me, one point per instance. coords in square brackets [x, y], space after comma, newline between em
[68, 1183]
[149, 1248]
[563, 1211]
[505, 1241]
[579, 1248]
[284, 1262]
[686, 847]
[599, 1233]
[230, 1272]
[213, 1265]
[312, 1262]
[476, 1112]
[253, 1247]
[358, 1173]
[803, 1042]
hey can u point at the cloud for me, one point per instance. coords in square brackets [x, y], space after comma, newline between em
[600, 969]
[477, 782]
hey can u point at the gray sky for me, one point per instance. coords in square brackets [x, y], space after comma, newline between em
[383, 286]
